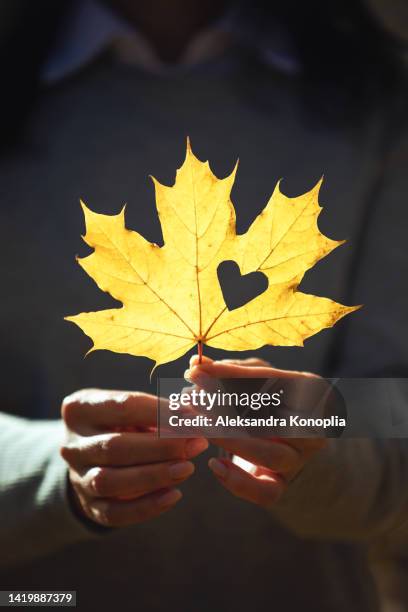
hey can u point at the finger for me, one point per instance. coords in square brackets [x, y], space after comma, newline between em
[90, 410]
[202, 379]
[263, 489]
[249, 362]
[306, 451]
[126, 449]
[195, 359]
[221, 369]
[116, 513]
[132, 482]
[304, 455]
[280, 458]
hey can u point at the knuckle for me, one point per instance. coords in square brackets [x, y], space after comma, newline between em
[113, 401]
[101, 482]
[69, 453]
[121, 405]
[74, 404]
[110, 446]
[120, 399]
[256, 361]
[69, 409]
[138, 395]
[75, 481]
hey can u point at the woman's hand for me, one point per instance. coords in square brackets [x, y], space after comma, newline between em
[120, 472]
[261, 468]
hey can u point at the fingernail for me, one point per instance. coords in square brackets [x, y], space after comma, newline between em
[219, 468]
[196, 446]
[169, 498]
[181, 470]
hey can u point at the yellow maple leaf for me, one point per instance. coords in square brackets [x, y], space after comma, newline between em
[171, 295]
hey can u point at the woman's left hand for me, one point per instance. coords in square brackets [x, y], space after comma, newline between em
[261, 468]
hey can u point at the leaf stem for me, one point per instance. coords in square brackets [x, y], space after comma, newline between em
[200, 351]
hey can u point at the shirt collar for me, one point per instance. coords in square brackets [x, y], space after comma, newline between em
[90, 28]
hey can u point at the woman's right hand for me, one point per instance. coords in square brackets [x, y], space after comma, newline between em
[120, 472]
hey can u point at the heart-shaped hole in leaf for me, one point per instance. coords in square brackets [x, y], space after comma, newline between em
[239, 289]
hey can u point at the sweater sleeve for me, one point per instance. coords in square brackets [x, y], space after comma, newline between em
[353, 490]
[35, 512]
